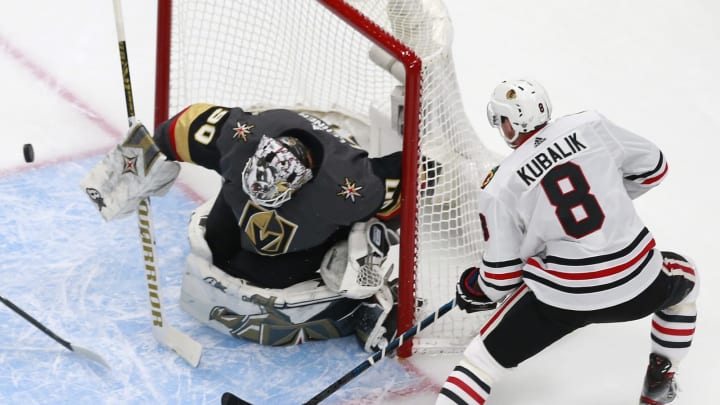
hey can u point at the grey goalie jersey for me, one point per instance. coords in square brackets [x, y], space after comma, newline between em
[558, 215]
[282, 246]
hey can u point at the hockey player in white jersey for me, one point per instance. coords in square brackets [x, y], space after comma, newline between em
[564, 247]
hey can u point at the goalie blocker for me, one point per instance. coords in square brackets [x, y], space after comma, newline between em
[351, 295]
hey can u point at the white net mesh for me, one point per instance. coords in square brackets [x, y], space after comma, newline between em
[297, 54]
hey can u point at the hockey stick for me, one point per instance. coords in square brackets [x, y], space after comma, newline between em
[231, 399]
[88, 354]
[181, 343]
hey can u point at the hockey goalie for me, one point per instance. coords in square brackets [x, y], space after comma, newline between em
[295, 245]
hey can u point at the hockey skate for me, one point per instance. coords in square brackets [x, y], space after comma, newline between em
[376, 320]
[660, 387]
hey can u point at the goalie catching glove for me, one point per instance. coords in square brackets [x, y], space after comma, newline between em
[129, 173]
[468, 296]
[357, 267]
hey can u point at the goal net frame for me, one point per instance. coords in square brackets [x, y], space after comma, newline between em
[412, 116]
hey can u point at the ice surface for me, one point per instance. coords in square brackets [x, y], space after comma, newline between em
[648, 66]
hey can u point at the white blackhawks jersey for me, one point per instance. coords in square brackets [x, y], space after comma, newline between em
[558, 215]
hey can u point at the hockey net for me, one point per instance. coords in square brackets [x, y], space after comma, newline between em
[383, 69]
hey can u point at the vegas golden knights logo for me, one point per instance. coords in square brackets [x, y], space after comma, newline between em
[268, 232]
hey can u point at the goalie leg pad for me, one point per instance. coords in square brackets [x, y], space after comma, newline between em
[233, 306]
[275, 317]
[359, 267]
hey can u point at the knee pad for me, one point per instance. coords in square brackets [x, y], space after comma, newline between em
[482, 362]
[196, 232]
[685, 279]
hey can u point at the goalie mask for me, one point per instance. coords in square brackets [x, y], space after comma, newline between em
[278, 169]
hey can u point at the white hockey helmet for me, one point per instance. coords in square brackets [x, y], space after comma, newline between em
[524, 103]
[279, 167]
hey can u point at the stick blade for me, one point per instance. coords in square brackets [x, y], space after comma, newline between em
[185, 346]
[89, 354]
[231, 399]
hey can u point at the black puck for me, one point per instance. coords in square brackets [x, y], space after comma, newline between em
[28, 152]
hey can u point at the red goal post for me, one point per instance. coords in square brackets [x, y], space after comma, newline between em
[266, 53]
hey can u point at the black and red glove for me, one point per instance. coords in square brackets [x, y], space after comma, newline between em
[468, 296]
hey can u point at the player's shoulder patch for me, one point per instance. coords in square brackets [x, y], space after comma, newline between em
[489, 177]
[182, 121]
[350, 190]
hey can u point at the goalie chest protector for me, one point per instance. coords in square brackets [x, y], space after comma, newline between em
[343, 190]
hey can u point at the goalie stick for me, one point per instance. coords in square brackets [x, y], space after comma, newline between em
[232, 399]
[181, 343]
[88, 354]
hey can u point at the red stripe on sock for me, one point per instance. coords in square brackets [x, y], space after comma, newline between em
[466, 388]
[671, 331]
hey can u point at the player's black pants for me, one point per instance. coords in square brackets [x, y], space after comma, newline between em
[529, 326]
